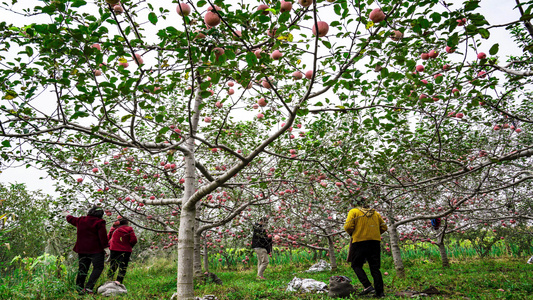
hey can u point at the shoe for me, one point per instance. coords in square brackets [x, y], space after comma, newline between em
[89, 291]
[261, 278]
[379, 295]
[367, 291]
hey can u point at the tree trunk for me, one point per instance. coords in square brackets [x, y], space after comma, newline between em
[396, 252]
[206, 257]
[197, 261]
[332, 257]
[443, 255]
[185, 283]
[187, 230]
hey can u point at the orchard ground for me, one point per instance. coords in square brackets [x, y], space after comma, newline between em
[490, 278]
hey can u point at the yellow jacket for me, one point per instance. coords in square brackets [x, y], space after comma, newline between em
[364, 225]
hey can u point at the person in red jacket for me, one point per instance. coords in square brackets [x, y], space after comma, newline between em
[91, 245]
[121, 241]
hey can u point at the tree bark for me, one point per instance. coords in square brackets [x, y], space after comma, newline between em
[206, 257]
[197, 261]
[187, 230]
[332, 257]
[443, 255]
[395, 250]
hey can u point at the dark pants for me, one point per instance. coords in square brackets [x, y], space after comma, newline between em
[85, 261]
[119, 260]
[371, 252]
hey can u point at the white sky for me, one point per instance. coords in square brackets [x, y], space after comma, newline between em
[495, 11]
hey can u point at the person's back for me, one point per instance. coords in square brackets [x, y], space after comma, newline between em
[90, 232]
[364, 224]
[123, 239]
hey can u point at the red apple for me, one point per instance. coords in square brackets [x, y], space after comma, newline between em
[95, 170]
[397, 35]
[266, 84]
[323, 28]
[97, 46]
[207, 119]
[481, 55]
[459, 115]
[260, 116]
[218, 52]
[79, 180]
[276, 55]
[212, 19]
[263, 7]
[183, 9]
[97, 73]
[424, 56]
[420, 68]
[297, 75]
[309, 74]
[262, 102]
[433, 54]
[118, 9]
[377, 15]
[285, 6]
[305, 3]
[450, 49]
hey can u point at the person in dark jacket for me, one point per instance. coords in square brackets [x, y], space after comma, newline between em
[121, 241]
[262, 244]
[91, 245]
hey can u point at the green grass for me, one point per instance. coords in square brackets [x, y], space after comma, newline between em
[156, 279]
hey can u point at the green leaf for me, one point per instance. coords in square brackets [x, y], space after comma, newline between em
[435, 17]
[384, 73]
[251, 59]
[201, 3]
[78, 3]
[6, 144]
[439, 79]
[327, 44]
[29, 50]
[484, 33]
[284, 17]
[152, 18]
[494, 49]
[471, 5]
[125, 118]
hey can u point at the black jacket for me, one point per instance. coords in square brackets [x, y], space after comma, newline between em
[260, 238]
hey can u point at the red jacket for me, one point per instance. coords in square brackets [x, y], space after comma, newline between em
[122, 238]
[91, 237]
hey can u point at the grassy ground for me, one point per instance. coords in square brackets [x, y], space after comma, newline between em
[466, 279]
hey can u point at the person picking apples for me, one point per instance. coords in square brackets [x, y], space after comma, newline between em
[91, 245]
[262, 244]
[121, 240]
[365, 226]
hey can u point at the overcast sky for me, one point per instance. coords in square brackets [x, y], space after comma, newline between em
[495, 11]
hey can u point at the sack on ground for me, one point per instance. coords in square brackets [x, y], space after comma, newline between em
[320, 266]
[340, 286]
[306, 285]
[112, 288]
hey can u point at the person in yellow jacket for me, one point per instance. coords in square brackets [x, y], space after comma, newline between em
[365, 226]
